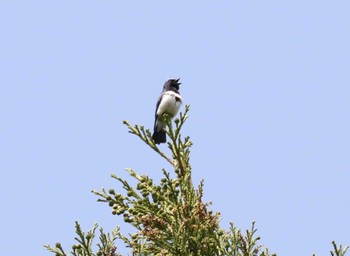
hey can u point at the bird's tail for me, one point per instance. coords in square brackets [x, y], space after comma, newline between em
[159, 137]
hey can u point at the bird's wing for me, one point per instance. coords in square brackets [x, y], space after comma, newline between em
[156, 116]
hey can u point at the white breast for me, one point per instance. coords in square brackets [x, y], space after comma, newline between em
[171, 102]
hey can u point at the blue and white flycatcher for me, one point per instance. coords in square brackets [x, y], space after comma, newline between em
[169, 102]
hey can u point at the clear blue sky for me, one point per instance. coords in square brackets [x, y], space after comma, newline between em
[269, 88]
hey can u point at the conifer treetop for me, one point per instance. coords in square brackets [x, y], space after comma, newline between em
[170, 218]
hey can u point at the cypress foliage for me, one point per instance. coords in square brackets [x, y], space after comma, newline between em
[170, 217]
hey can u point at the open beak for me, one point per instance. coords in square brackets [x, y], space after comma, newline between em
[177, 81]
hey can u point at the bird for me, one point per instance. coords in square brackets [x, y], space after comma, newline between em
[169, 102]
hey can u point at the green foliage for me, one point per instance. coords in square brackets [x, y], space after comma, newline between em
[106, 246]
[170, 217]
[338, 250]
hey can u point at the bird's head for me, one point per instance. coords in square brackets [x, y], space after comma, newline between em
[172, 84]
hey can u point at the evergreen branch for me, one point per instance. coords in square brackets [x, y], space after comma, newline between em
[84, 245]
[183, 118]
[85, 240]
[146, 136]
[57, 250]
[176, 145]
[170, 217]
[338, 251]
